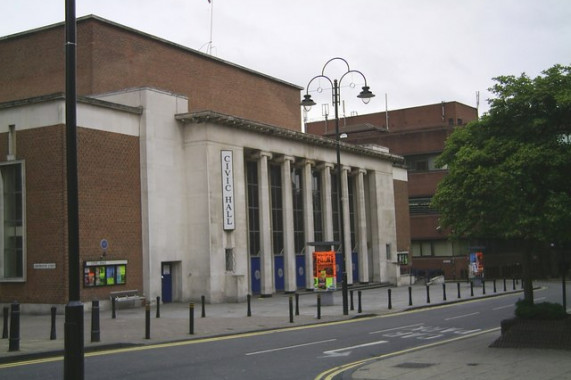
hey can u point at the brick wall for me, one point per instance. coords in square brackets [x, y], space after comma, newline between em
[111, 58]
[109, 207]
[402, 215]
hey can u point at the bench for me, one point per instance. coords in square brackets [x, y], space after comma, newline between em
[127, 298]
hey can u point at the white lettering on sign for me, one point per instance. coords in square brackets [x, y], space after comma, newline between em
[227, 189]
[45, 266]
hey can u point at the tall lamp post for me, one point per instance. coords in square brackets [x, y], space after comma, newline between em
[365, 95]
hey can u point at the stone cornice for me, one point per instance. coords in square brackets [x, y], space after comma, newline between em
[199, 117]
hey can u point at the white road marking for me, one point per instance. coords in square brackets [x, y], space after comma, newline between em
[338, 351]
[290, 347]
[503, 307]
[462, 316]
[396, 328]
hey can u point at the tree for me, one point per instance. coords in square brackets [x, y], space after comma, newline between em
[509, 173]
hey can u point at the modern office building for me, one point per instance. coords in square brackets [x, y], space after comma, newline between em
[194, 176]
[418, 134]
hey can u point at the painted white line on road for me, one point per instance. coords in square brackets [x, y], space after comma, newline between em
[502, 307]
[396, 328]
[338, 351]
[289, 347]
[462, 316]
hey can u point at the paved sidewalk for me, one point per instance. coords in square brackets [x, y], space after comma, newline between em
[128, 328]
[469, 359]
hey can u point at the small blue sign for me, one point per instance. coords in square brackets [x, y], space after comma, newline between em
[104, 244]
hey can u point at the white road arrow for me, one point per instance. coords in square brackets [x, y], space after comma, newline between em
[346, 351]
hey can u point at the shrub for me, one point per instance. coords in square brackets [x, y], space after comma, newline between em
[544, 310]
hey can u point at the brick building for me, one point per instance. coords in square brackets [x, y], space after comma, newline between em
[418, 134]
[194, 175]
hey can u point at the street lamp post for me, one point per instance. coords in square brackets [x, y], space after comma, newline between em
[365, 95]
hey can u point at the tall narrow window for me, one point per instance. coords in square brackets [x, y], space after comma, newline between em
[317, 209]
[350, 184]
[12, 231]
[253, 209]
[335, 207]
[298, 220]
[277, 209]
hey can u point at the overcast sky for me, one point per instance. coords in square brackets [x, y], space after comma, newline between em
[416, 51]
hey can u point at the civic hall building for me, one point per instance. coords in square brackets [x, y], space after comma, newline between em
[195, 178]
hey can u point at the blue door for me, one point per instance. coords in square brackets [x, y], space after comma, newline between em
[339, 268]
[279, 277]
[166, 282]
[300, 271]
[355, 259]
[256, 275]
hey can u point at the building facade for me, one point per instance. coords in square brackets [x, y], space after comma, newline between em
[186, 189]
[418, 134]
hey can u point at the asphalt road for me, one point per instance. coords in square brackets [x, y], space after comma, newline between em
[300, 352]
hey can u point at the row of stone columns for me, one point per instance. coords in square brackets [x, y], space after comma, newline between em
[266, 254]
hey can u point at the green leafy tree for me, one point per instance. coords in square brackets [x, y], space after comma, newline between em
[509, 173]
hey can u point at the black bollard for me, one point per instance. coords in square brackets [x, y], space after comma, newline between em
[318, 306]
[95, 332]
[390, 299]
[495, 289]
[522, 283]
[359, 307]
[427, 293]
[296, 304]
[158, 307]
[483, 286]
[352, 306]
[290, 309]
[148, 320]
[191, 319]
[249, 299]
[444, 291]
[53, 325]
[14, 343]
[458, 286]
[513, 282]
[6, 313]
[203, 301]
[471, 288]
[409, 296]
[505, 284]
[113, 308]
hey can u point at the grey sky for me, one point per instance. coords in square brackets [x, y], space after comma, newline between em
[417, 51]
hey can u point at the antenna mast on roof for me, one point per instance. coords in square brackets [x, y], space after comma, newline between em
[210, 46]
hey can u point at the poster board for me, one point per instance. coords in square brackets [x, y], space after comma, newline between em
[324, 273]
[104, 273]
[476, 265]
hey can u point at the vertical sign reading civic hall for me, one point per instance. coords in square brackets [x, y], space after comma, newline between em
[227, 189]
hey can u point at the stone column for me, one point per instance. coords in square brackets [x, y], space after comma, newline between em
[326, 201]
[266, 257]
[308, 222]
[289, 239]
[347, 247]
[361, 221]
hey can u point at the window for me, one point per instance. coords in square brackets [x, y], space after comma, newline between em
[298, 220]
[351, 185]
[277, 209]
[229, 255]
[317, 210]
[421, 206]
[421, 248]
[422, 162]
[12, 260]
[253, 209]
[335, 207]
